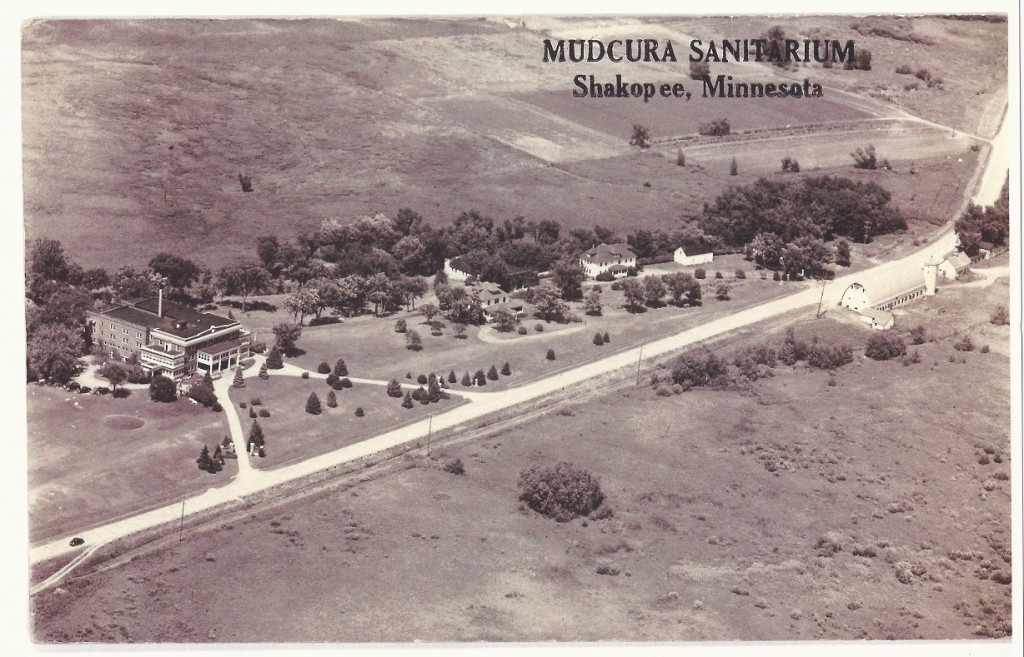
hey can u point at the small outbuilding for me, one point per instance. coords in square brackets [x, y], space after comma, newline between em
[698, 257]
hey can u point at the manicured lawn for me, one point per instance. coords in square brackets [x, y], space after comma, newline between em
[372, 349]
[292, 434]
[93, 459]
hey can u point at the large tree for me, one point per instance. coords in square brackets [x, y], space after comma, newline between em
[683, 287]
[48, 260]
[163, 389]
[115, 373]
[244, 279]
[303, 301]
[53, 352]
[179, 272]
[568, 275]
[549, 305]
[286, 335]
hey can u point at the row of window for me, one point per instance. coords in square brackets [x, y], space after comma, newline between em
[113, 326]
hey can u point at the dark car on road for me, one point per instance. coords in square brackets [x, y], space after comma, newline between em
[76, 541]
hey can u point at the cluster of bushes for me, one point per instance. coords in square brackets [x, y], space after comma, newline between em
[432, 394]
[212, 464]
[562, 493]
[705, 369]
[602, 339]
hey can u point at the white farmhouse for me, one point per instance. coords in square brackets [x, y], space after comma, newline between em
[695, 259]
[613, 258]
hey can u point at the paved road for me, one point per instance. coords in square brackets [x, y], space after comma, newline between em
[483, 403]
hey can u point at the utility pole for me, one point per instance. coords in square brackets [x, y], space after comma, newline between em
[638, 361]
[181, 521]
[821, 298]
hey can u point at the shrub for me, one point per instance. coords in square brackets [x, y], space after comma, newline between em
[264, 413]
[480, 378]
[883, 346]
[338, 385]
[561, 493]
[717, 128]
[964, 343]
[466, 381]
[598, 340]
[252, 413]
[121, 393]
[605, 277]
[359, 412]
[394, 388]
[740, 274]
[407, 402]
[264, 374]
[345, 382]
[85, 390]
[904, 69]
[408, 375]
[216, 407]
[274, 360]
[340, 368]
[984, 350]
[454, 467]
[522, 330]
[550, 355]
[256, 401]
[506, 370]
[776, 276]
[700, 273]
[313, 404]
[238, 381]
[332, 399]
[413, 342]
[1000, 316]
[538, 327]
[918, 335]
[718, 275]
[400, 326]
[332, 379]
[323, 368]
[606, 338]
[422, 379]
[492, 373]
[161, 389]
[693, 370]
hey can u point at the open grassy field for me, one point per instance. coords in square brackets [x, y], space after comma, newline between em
[97, 458]
[787, 510]
[136, 131]
[667, 117]
[292, 434]
[974, 79]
